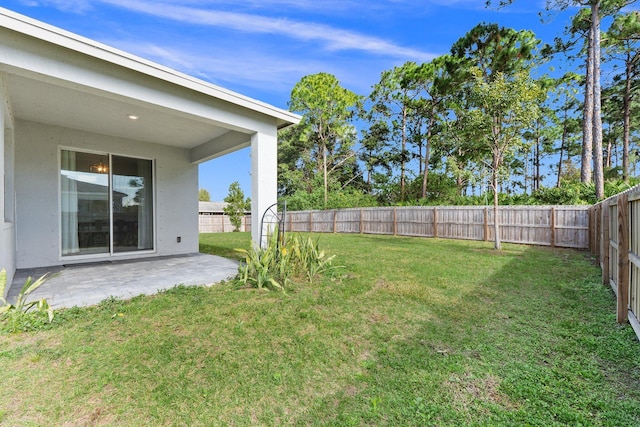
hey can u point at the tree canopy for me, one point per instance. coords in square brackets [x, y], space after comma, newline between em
[237, 205]
[488, 121]
[203, 195]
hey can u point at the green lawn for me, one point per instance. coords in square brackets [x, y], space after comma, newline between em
[417, 332]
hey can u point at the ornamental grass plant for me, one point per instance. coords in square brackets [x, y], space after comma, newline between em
[285, 259]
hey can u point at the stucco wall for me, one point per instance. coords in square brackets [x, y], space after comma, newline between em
[7, 229]
[37, 189]
[7, 258]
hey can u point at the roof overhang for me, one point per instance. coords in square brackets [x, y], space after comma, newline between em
[59, 78]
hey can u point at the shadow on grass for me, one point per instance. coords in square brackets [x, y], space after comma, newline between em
[224, 244]
[534, 343]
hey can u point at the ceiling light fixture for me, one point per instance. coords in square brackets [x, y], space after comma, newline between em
[99, 168]
[133, 116]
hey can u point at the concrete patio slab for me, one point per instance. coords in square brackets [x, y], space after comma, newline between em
[88, 284]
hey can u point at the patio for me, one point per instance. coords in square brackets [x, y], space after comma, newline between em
[88, 284]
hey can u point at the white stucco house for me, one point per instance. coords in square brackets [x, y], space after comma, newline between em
[99, 149]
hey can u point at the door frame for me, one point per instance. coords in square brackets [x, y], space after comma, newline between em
[110, 254]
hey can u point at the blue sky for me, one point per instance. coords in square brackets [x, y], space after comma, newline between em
[262, 48]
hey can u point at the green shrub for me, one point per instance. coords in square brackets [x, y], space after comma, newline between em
[337, 198]
[18, 317]
[281, 262]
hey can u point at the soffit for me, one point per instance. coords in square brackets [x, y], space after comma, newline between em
[74, 108]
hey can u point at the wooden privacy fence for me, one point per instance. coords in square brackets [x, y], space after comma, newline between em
[221, 223]
[615, 241]
[561, 226]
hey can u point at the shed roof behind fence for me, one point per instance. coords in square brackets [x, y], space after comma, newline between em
[214, 207]
[211, 206]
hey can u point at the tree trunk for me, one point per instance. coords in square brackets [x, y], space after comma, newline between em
[495, 170]
[459, 185]
[536, 182]
[324, 168]
[626, 114]
[562, 145]
[369, 171]
[420, 156]
[404, 146]
[494, 184]
[587, 115]
[425, 175]
[598, 168]
[528, 177]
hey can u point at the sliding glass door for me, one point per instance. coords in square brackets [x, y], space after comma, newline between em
[132, 204]
[106, 204]
[84, 203]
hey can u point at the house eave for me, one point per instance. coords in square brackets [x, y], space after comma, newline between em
[50, 34]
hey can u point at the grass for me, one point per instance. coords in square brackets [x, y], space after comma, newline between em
[418, 332]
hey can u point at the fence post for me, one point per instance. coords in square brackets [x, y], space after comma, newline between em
[435, 222]
[395, 221]
[335, 215]
[486, 224]
[606, 241]
[623, 258]
[553, 227]
[310, 221]
[597, 229]
[361, 222]
[592, 232]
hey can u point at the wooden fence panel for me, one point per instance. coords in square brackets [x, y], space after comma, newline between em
[298, 221]
[322, 221]
[615, 236]
[524, 224]
[623, 257]
[347, 221]
[378, 221]
[556, 226]
[221, 223]
[613, 246]
[606, 238]
[415, 221]
[634, 256]
[571, 227]
[460, 222]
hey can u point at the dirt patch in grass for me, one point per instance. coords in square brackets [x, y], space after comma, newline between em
[502, 252]
[94, 413]
[470, 393]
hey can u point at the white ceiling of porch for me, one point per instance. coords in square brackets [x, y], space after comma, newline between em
[105, 113]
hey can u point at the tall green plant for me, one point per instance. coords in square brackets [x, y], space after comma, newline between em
[262, 269]
[237, 205]
[14, 312]
[281, 262]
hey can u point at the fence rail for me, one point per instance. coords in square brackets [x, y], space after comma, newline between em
[615, 241]
[561, 226]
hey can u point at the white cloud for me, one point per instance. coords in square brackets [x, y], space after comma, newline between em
[220, 65]
[241, 68]
[328, 6]
[331, 38]
[76, 6]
